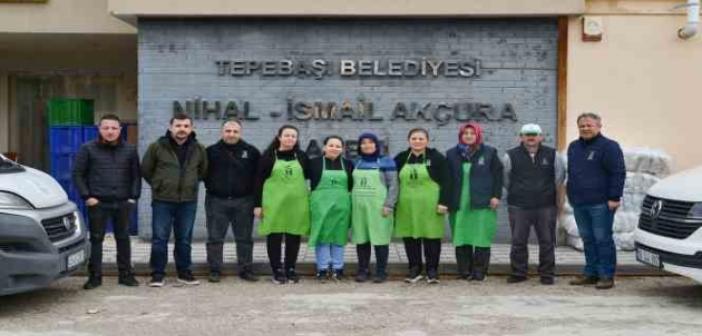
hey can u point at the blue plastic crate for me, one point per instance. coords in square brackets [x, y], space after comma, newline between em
[65, 139]
[62, 166]
[90, 133]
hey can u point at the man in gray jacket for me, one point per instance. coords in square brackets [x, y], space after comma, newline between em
[106, 173]
[532, 174]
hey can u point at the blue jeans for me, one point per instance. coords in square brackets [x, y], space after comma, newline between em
[329, 254]
[180, 216]
[595, 228]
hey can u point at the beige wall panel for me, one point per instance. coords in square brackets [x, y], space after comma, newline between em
[61, 16]
[345, 7]
[4, 113]
[643, 80]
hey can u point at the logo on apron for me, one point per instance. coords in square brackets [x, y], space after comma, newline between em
[591, 156]
[333, 181]
[288, 172]
[414, 174]
[364, 182]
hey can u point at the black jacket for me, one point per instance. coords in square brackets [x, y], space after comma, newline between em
[438, 170]
[265, 167]
[485, 176]
[532, 180]
[107, 172]
[231, 169]
[316, 170]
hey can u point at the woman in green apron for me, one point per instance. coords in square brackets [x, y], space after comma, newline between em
[476, 172]
[282, 201]
[330, 208]
[373, 198]
[422, 204]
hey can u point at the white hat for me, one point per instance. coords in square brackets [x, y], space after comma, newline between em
[530, 128]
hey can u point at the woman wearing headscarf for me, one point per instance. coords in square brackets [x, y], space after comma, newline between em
[330, 208]
[421, 205]
[476, 171]
[282, 201]
[373, 198]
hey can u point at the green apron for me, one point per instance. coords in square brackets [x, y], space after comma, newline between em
[416, 214]
[475, 227]
[330, 208]
[367, 201]
[285, 202]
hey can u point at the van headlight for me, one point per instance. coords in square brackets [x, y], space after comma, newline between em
[696, 211]
[11, 201]
[78, 222]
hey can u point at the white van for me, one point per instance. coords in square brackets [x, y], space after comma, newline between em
[42, 234]
[669, 234]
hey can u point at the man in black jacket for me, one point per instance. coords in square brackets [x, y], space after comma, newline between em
[106, 173]
[532, 174]
[229, 200]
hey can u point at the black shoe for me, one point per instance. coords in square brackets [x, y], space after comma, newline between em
[584, 280]
[214, 277]
[463, 277]
[248, 275]
[157, 280]
[322, 276]
[292, 275]
[432, 277]
[362, 275]
[380, 278]
[433, 280]
[127, 279]
[547, 280]
[187, 278]
[477, 277]
[338, 275]
[414, 276]
[512, 279]
[93, 282]
[279, 277]
[605, 283]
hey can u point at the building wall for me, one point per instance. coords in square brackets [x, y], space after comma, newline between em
[518, 57]
[61, 16]
[642, 79]
[187, 8]
[4, 113]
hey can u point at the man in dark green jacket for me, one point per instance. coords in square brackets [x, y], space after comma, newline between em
[174, 166]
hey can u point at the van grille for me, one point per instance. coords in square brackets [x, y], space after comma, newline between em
[59, 228]
[672, 220]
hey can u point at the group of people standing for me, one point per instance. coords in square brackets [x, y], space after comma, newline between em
[371, 200]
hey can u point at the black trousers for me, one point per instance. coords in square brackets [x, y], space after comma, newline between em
[432, 253]
[472, 260]
[382, 253]
[222, 213]
[544, 222]
[99, 216]
[274, 248]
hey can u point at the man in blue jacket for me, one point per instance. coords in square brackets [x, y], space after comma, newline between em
[596, 175]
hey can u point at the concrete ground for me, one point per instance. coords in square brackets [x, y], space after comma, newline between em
[637, 306]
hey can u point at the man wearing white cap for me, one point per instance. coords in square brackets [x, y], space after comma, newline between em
[532, 174]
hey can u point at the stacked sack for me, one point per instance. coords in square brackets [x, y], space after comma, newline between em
[644, 167]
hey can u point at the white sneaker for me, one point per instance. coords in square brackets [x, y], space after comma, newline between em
[157, 281]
